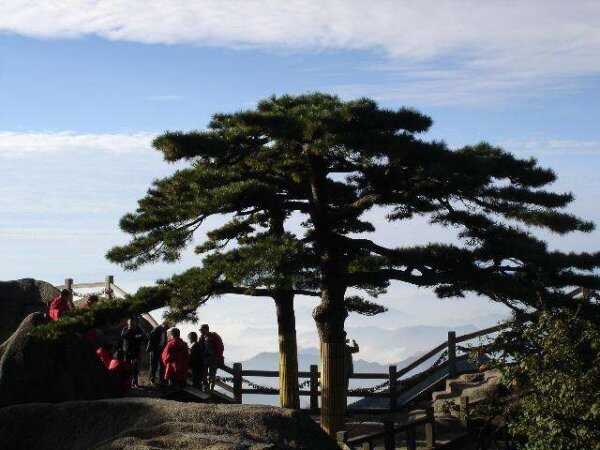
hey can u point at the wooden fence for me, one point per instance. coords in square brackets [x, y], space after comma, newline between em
[108, 288]
[391, 388]
[389, 435]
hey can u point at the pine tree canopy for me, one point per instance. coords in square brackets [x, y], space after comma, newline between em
[326, 162]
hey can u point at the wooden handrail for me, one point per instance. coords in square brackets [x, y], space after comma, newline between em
[422, 359]
[83, 285]
[391, 429]
[475, 334]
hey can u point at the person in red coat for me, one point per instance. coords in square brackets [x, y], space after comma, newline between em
[175, 358]
[60, 304]
[103, 353]
[121, 371]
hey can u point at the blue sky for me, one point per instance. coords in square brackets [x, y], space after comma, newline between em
[85, 85]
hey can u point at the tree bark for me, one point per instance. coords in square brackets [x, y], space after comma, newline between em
[330, 316]
[288, 352]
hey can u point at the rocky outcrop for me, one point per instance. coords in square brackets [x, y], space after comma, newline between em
[34, 370]
[18, 299]
[157, 424]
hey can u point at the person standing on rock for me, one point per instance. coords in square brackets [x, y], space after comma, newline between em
[348, 362]
[175, 358]
[197, 361]
[156, 343]
[60, 304]
[132, 337]
[213, 346]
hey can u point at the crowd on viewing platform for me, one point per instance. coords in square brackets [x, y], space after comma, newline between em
[171, 359]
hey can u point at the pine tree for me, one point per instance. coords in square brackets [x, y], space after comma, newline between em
[251, 254]
[330, 161]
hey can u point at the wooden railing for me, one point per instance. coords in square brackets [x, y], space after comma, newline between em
[394, 385]
[389, 435]
[109, 289]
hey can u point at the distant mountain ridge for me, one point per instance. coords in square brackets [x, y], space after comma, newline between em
[415, 339]
[419, 338]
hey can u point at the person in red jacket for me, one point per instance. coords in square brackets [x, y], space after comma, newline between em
[103, 353]
[175, 358]
[121, 371]
[60, 304]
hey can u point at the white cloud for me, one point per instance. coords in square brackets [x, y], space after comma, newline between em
[27, 143]
[494, 46]
[550, 147]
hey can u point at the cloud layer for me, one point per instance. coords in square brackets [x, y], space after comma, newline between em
[491, 46]
[14, 144]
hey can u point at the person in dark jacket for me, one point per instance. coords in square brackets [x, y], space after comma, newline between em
[132, 337]
[197, 355]
[156, 343]
[213, 346]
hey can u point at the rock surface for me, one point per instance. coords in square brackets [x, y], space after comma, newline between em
[18, 299]
[50, 371]
[157, 424]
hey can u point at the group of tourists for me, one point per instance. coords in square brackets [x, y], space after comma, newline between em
[171, 358]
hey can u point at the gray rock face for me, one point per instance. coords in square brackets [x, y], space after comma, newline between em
[32, 370]
[157, 424]
[18, 299]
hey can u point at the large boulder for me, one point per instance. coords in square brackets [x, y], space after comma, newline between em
[18, 299]
[157, 424]
[35, 370]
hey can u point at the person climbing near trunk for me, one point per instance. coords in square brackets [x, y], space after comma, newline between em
[60, 304]
[348, 363]
[157, 340]
[197, 352]
[175, 358]
[213, 345]
[121, 371]
[132, 337]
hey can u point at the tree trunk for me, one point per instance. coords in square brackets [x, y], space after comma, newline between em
[288, 352]
[330, 316]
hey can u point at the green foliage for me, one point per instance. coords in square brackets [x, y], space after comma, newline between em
[330, 161]
[555, 362]
[106, 312]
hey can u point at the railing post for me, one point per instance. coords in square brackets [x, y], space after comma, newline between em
[411, 438]
[430, 430]
[69, 284]
[392, 380]
[108, 281]
[237, 382]
[341, 438]
[463, 411]
[314, 387]
[452, 353]
[389, 438]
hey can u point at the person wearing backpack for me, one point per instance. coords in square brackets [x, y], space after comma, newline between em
[214, 348]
